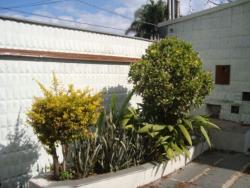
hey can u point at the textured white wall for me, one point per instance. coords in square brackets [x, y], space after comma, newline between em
[18, 86]
[20, 153]
[222, 37]
[23, 35]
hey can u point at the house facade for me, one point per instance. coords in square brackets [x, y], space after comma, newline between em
[221, 36]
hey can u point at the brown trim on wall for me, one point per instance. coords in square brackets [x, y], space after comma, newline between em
[65, 56]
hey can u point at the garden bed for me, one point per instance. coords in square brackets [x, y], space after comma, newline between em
[127, 178]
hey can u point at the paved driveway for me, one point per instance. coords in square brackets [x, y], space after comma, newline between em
[211, 170]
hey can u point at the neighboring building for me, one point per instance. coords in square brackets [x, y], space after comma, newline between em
[221, 36]
[31, 51]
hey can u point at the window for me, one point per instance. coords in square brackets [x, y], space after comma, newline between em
[214, 110]
[222, 75]
[246, 96]
[235, 109]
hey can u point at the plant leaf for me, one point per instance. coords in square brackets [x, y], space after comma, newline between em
[177, 148]
[169, 152]
[100, 122]
[151, 128]
[186, 152]
[170, 128]
[185, 133]
[204, 122]
[153, 134]
[188, 123]
[130, 126]
[125, 105]
[204, 133]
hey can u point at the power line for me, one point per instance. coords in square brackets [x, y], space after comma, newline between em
[219, 3]
[83, 2]
[61, 19]
[210, 1]
[67, 20]
[112, 12]
[39, 3]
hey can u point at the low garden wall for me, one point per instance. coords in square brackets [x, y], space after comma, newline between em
[127, 178]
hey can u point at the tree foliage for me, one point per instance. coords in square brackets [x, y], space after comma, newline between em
[170, 80]
[152, 12]
[62, 116]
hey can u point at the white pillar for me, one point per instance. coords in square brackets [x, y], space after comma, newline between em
[170, 9]
[177, 8]
[173, 9]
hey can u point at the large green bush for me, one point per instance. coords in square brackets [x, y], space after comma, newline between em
[62, 116]
[170, 80]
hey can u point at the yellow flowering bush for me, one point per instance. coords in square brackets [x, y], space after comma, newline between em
[62, 116]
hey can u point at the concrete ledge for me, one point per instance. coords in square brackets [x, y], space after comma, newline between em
[231, 137]
[127, 178]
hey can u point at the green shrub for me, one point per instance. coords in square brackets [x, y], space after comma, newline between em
[62, 116]
[114, 146]
[65, 175]
[172, 140]
[171, 82]
[121, 147]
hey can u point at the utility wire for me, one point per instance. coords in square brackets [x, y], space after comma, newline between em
[39, 3]
[112, 12]
[219, 3]
[67, 20]
[61, 19]
[209, 1]
[83, 2]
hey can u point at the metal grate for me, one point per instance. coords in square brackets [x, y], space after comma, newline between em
[245, 96]
[235, 109]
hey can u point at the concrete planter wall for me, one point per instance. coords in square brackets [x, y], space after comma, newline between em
[127, 178]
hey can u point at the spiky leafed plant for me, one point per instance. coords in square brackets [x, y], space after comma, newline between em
[152, 12]
[121, 146]
[114, 145]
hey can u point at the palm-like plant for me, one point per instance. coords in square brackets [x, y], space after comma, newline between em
[173, 140]
[147, 17]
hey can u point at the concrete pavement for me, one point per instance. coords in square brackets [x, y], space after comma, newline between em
[213, 169]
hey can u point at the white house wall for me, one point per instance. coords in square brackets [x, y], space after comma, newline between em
[222, 37]
[20, 154]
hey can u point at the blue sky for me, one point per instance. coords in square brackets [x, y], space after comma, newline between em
[80, 12]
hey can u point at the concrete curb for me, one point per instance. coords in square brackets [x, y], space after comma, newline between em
[127, 178]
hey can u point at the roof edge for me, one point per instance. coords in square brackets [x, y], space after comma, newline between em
[29, 21]
[204, 12]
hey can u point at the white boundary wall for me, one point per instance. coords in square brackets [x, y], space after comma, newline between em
[20, 34]
[19, 150]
